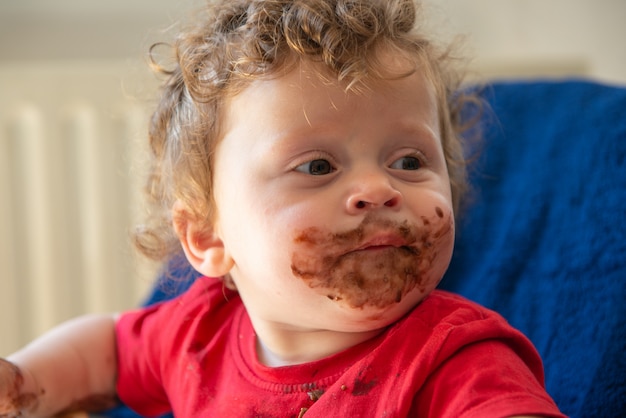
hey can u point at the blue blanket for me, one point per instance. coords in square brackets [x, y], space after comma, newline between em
[544, 242]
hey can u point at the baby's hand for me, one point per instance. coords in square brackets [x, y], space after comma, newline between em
[14, 403]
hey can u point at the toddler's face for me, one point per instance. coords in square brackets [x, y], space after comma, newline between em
[335, 206]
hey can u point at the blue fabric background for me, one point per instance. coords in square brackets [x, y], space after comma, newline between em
[544, 242]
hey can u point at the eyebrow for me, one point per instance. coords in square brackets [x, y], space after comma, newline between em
[420, 129]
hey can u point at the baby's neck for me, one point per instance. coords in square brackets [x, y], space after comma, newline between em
[278, 347]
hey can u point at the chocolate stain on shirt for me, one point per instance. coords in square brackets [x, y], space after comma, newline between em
[362, 388]
[363, 383]
[315, 394]
[337, 264]
[16, 402]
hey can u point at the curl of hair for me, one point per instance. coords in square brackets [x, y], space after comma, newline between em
[243, 40]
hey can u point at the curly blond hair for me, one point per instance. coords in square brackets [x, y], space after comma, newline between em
[243, 40]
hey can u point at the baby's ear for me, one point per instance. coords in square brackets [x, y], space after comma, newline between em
[203, 247]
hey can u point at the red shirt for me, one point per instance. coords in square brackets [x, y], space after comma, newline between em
[195, 355]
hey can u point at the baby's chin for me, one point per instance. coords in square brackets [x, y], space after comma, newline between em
[370, 317]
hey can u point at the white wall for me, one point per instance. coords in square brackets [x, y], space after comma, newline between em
[510, 37]
[542, 37]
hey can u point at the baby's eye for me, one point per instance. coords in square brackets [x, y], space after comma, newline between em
[317, 167]
[407, 163]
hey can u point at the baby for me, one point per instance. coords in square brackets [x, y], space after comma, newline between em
[307, 159]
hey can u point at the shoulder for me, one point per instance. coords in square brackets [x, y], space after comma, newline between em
[207, 297]
[445, 323]
[449, 351]
[206, 294]
[471, 357]
[442, 325]
[449, 310]
[151, 341]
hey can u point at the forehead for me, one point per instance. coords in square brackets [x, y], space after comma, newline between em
[306, 83]
[305, 105]
[382, 63]
[379, 67]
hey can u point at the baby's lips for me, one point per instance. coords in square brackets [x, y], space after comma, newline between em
[383, 240]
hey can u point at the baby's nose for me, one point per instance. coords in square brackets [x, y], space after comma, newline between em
[372, 192]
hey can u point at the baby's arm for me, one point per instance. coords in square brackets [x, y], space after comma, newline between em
[69, 368]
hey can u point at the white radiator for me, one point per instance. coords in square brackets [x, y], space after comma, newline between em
[71, 137]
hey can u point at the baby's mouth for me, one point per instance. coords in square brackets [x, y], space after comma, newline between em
[383, 241]
[375, 264]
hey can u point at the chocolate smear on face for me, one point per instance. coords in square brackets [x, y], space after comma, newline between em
[348, 271]
[11, 382]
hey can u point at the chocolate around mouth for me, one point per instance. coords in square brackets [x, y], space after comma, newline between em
[340, 266]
